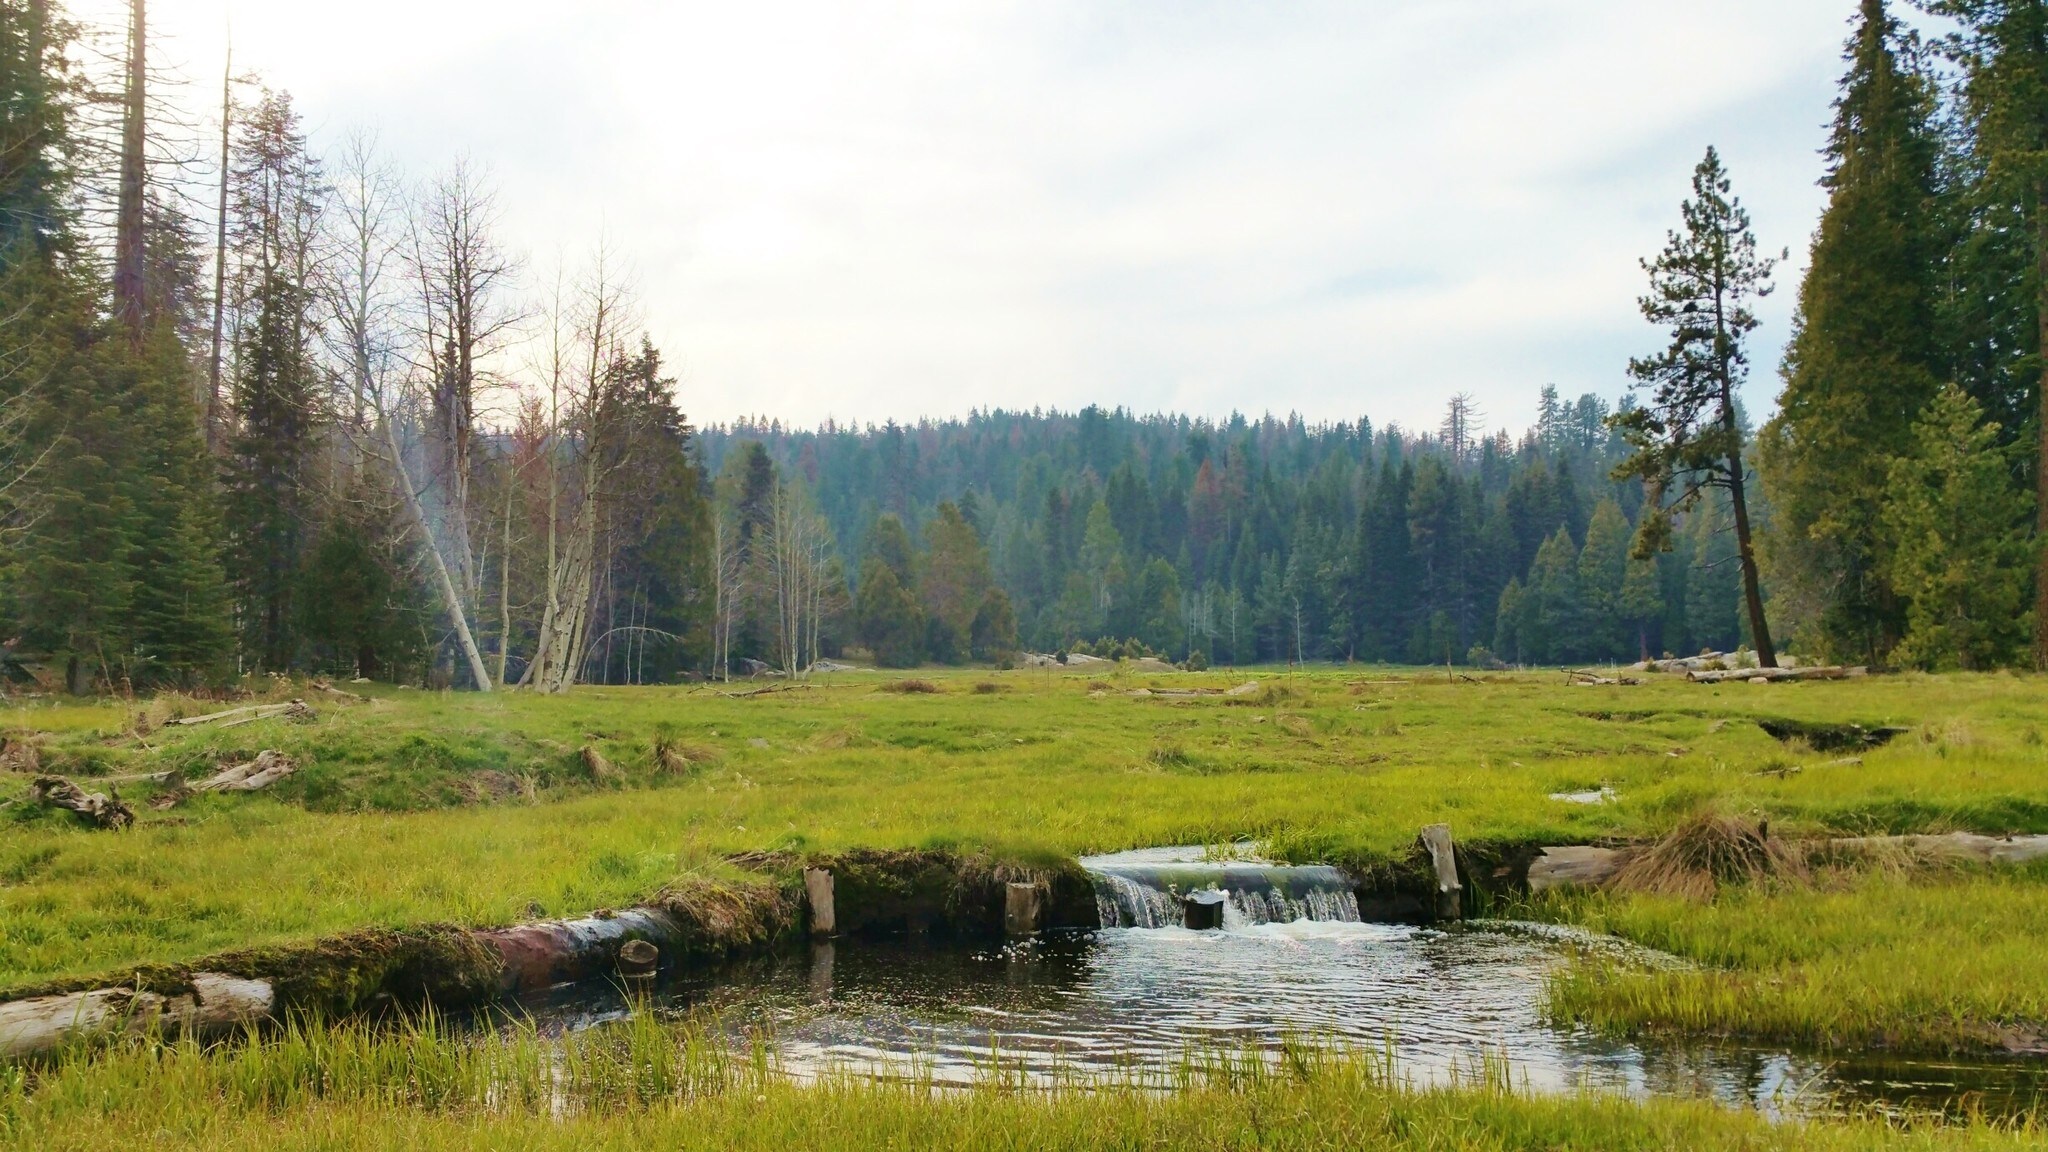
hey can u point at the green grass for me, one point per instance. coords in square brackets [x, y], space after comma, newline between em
[402, 814]
[646, 1084]
[1943, 961]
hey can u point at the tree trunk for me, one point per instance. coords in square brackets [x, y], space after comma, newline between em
[450, 598]
[1752, 588]
[220, 259]
[2041, 461]
[129, 260]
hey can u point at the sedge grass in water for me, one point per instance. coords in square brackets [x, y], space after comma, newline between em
[647, 1083]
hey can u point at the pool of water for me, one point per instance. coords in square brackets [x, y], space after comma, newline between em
[1442, 1002]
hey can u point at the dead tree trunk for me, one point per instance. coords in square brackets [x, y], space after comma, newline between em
[130, 260]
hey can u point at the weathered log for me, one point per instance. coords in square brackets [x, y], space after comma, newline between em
[1443, 858]
[1955, 846]
[1580, 865]
[1585, 866]
[95, 808]
[215, 1005]
[266, 769]
[1021, 905]
[818, 897]
[251, 711]
[1776, 675]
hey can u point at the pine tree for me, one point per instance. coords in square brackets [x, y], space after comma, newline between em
[180, 597]
[1865, 354]
[1961, 554]
[1690, 433]
[952, 580]
[1603, 574]
[276, 192]
[1642, 600]
[2003, 50]
[1557, 618]
[887, 618]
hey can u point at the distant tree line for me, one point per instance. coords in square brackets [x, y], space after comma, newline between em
[307, 415]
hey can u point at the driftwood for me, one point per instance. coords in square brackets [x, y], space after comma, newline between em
[1776, 675]
[1580, 677]
[266, 769]
[95, 808]
[296, 710]
[216, 1005]
[531, 957]
[1586, 866]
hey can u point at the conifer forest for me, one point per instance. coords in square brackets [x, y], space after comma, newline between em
[267, 409]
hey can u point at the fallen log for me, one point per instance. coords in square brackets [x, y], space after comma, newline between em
[1586, 866]
[95, 808]
[215, 1005]
[1777, 675]
[1580, 677]
[295, 709]
[266, 769]
[691, 921]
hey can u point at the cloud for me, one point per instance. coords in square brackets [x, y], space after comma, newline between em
[902, 209]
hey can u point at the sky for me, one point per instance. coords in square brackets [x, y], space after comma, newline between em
[895, 210]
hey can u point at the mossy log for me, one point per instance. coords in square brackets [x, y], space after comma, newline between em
[1586, 866]
[379, 969]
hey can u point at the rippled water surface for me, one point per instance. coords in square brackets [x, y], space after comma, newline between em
[1441, 1001]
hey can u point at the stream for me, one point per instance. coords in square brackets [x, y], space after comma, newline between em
[1292, 963]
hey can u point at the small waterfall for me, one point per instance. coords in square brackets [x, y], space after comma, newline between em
[1147, 895]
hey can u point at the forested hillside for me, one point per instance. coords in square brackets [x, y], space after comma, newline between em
[1268, 539]
[267, 408]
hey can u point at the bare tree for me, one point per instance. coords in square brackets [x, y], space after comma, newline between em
[729, 588]
[799, 551]
[584, 417]
[461, 274]
[366, 359]
[130, 254]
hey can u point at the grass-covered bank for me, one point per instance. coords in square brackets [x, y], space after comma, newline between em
[646, 1084]
[1342, 764]
[1944, 960]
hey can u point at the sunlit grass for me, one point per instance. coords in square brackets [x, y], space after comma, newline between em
[643, 1083]
[1340, 764]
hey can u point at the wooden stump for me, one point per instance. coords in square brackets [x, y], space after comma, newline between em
[818, 894]
[1022, 904]
[1444, 859]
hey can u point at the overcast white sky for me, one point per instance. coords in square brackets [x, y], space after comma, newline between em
[904, 209]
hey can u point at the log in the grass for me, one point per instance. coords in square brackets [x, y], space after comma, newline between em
[253, 711]
[1965, 846]
[266, 769]
[1585, 866]
[1580, 866]
[216, 1004]
[532, 957]
[1776, 675]
[95, 808]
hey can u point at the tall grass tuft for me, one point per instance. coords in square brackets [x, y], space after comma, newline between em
[1707, 851]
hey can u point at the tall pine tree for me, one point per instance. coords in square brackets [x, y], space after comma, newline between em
[1865, 356]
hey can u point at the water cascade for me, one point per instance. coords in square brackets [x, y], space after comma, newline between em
[1145, 889]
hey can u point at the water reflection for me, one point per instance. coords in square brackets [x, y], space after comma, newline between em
[1443, 1002]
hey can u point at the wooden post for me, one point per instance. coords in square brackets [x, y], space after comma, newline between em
[1203, 910]
[1021, 904]
[1443, 858]
[818, 892]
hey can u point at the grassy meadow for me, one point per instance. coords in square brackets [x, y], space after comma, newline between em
[415, 807]
[645, 1083]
